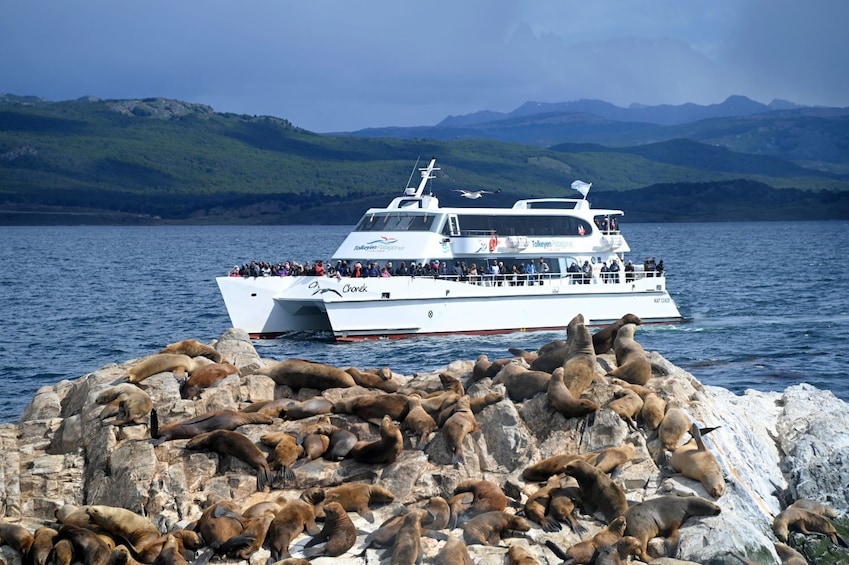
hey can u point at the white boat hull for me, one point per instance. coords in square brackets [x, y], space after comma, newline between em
[393, 307]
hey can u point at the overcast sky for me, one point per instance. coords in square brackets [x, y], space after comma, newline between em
[341, 65]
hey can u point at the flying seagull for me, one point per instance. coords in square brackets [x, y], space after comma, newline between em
[476, 193]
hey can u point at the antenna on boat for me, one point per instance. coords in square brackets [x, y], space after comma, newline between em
[409, 190]
[582, 187]
[427, 174]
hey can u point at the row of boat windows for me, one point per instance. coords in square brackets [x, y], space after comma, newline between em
[474, 225]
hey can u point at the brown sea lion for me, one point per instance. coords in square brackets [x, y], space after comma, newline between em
[315, 445]
[632, 364]
[598, 492]
[522, 383]
[373, 407]
[274, 408]
[454, 552]
[554, 354]
[478, 403]
[161, 363]
[561, 505]
[461, 423]
[205, 377]
[418, 421]
[604, 338]
[473, 497]
[87, 546]
[484, 368]
[618, 553]
[301, 373]
[408, 541]
[694, 460]
[450, 383]
[518, 555]
[653, 410]
[788, 555]
[210, 421]
[564, 402]
[799, 519]
[16, 536]
[382, 451]
[536, 506]
[341, 443]
[339, 532]
[148, 552]
[171, 553]
[127, 402]
[627, 404]
[126, 524]
[381, 380]
[675, 423]
[489, 528]
[579, 365]
[357, 497]
[193, 348]
[612, 457]
[526, 356]
[662, 516]
[41, 545]
[554, 465]
[226, 442]
[220, 521]
[307, 408]
[285, 451]
[62, 552]
[289, 522]
[815, 507]
[586, 551]
[245, 544]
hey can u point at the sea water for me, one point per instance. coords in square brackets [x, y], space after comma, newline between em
[766, 302]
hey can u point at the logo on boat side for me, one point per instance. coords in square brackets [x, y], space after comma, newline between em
[319, 290]
[383, 244]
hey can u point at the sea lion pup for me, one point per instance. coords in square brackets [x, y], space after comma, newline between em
[627, 405]
[226, 442]
[289, 522]
[315, 445]
[384, 450]
[454, 552]
[536, 506]
[461, 423]
[41, 545]
[473, 497]
[243, 545]
[161, 363]
[632, 363]
[788, 555]
[598, 492]
[799, 519]
[579, 365]
[171, 553]
[694, 460]
[193, 348]
[301, 373]
[16, 536]
[87, 546]
[342, 441]
[408, 541]
[675, 423]
[205, 377]
[609, 459]
[554, 465]
[285, 451]
[586, 551]
[561, 505]
[563, 401]
[356, 497]
[339, 532]
[484, 368]
[307, 408]
[126, 524]
[653, 411]
[522, 383]
[210, 421]
[373, 407]
[127, 402]
[662, 516]
[618, 553]
[490, 527]
[381, 380]
[478, 403]
[518, 555]
[62, 552]
[220, 521]
[604, 338]
[187, 540]
[418, 421]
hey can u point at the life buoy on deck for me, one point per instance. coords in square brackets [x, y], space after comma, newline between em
[493, 241]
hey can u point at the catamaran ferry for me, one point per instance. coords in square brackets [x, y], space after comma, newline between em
[536, 265]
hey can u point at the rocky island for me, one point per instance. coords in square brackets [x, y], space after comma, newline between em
[496, 461]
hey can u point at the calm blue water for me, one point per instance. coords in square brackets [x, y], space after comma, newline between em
[768, 301]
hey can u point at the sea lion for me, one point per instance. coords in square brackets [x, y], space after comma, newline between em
[653, 410]
[408, 541]
[788, 555]
[554, 465]
[490, 527]
[586, 551]
[579, 365]
[289, 522]
[186, 540]
[272, 506]
[612, 457]
[518, 555]
[315, 445]
[662, 516]
[86, 546]
[454, 552]
[226, 442]
[42, 543]
[561, 505]
[526, 356]
[675, 423]
[243, 545]
[694, 460]
[373, 407]
[381, 380]
[205, 377]
[73, 515]
[418, 421]
[536, 506]
[564, 402]
[127, 402]
[598, 492]
[815, 506]
[341, 443]
[273, 408]
[126, 524]
[458, 426]
[473, 497]
[171, 553]
[618, 553]
[805, 521]
[554, 354]
[161, 363]
[604, 338]
[484, 368]
[522, 383]
[220, 521]
[307, 408]
[627, 404]
[210, 421]
[384, 450]
[632, 364]
[450, 383]
[339, 532]
[302, 373]
[285, 451]
[193, 348]
[62, 552]
[16, 536]
[478, 403]
[357, 497]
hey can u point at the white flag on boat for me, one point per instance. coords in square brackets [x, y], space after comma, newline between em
[582, 186]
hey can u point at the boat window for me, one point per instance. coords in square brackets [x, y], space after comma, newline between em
[540, 226]
[396, 222]
[454, 224]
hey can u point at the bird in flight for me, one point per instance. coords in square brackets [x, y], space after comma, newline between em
[475, 193]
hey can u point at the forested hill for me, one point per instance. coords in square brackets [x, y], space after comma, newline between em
[166, 161]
